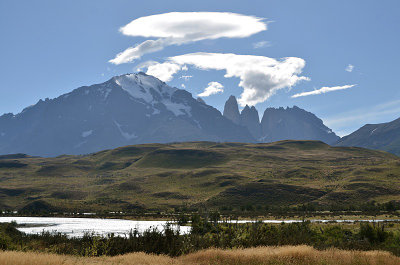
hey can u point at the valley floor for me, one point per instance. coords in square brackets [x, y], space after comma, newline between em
[291, 255]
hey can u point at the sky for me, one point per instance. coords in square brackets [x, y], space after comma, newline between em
[336, 59]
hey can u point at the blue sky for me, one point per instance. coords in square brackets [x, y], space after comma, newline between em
[52, 47]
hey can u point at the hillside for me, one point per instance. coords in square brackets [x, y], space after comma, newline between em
[160, 176]
[384, 136]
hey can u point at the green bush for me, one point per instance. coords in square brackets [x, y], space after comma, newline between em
[207, 231]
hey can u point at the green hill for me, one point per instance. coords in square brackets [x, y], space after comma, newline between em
[161, 176]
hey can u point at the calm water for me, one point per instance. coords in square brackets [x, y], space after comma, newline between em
[78, 226]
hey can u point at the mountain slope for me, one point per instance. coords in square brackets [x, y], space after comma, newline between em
[384, 136]
[162, 176]
[127, 109]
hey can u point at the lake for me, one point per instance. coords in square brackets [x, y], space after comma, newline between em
[77, 227]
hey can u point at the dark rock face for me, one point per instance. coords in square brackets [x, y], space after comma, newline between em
[231, 110]
[249, 118]
[384, 136]
[280, 124]
[294, 124]
[127, 109]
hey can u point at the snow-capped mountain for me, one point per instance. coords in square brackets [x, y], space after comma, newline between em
[127, 109]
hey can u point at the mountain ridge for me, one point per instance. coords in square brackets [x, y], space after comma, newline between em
[280, 123]
[139, 108]
[126, 109]
[382, 136]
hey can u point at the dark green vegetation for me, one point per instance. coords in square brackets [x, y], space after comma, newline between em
[230, 177]
[207, 233]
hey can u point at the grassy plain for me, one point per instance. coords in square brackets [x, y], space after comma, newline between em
[161, 177]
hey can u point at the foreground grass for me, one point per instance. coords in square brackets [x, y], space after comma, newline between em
[291, 255]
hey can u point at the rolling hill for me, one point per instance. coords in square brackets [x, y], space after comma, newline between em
[161, 176]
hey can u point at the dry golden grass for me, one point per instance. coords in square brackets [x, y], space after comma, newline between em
[291, 255]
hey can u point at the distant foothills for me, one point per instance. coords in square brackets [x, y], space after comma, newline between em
[138, 108]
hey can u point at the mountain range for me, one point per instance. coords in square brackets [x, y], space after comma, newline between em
[139, 108]
[384, 136]
[280, 123]
[127, 109]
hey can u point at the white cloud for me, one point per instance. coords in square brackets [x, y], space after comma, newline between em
[185, 77]
[213, 88]
[163, 71]
[145, 65]
[178, 28]
[349, 68]
[260, 77]
[322, 90]
[261, 44]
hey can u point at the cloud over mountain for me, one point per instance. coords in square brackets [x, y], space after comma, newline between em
[213, 88]
[260, 76]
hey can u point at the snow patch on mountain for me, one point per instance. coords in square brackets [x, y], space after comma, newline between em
[87, 133]
[177, 108]
[151, 90]
[126, 135]
[373, 130]
[80, 144]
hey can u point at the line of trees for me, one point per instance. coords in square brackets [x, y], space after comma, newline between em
[208, 231]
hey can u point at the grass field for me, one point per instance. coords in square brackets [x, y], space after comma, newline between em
[199, 174]
[288, 255]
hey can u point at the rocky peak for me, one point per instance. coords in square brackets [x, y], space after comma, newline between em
[250, 119]
[231, 110]
[294, 124]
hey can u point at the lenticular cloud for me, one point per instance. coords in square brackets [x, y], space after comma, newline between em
[178, 28]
